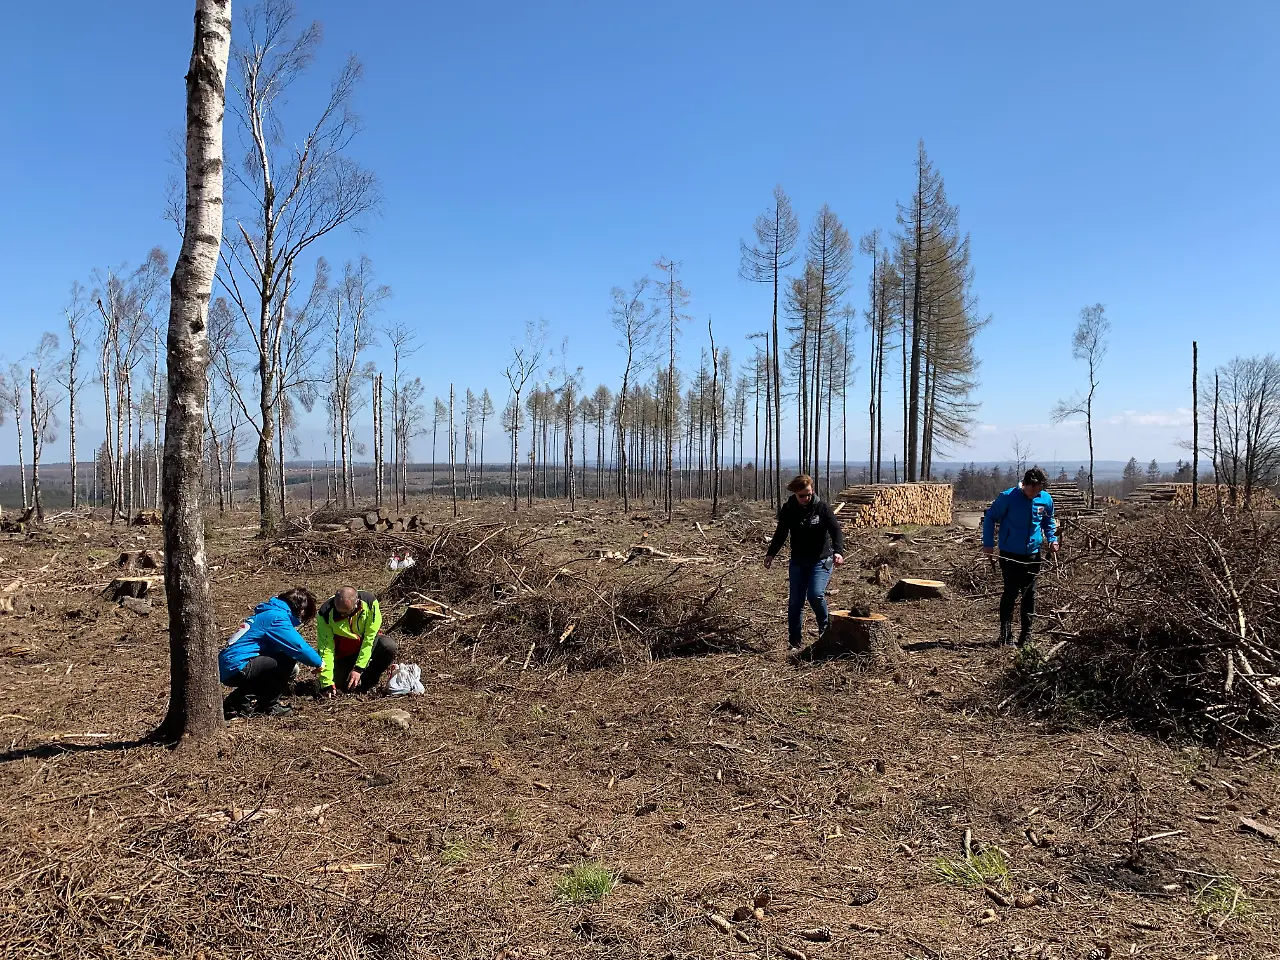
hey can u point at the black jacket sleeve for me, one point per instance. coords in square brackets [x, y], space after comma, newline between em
[834, 528]
[780, 534]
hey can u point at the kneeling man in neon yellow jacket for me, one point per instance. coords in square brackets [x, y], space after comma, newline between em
[353, 652]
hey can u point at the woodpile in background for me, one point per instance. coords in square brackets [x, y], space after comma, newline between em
[1179, 495]
[891, 504]
[383, 520]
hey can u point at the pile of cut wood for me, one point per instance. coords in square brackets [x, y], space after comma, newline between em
[383, 520]
[891, 504]
[1179, 495]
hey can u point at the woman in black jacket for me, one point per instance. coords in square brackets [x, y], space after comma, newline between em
[817, 548]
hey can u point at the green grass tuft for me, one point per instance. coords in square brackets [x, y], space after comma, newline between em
[585, 883]
[983, 869]
[1224, 897]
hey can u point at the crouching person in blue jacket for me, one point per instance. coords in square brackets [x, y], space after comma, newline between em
[259, 661]
[1025, 517]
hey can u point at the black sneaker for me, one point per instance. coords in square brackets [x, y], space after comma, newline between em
[236, 706]
[1024, 638]
[1006, 634]
[275, 709]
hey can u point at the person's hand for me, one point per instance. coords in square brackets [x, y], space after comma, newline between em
[1053, 548]
[989, 551]
[768, 562]
[353, 680]
[839, 559]
[330, 691]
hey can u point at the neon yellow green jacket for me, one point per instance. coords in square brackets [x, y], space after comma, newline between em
[337, 638]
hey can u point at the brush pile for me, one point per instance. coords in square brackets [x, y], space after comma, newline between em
[585, 624]
[468, 562]
[1173, 620]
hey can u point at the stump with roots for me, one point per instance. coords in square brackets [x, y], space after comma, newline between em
[136, 587]
[866, 638]
[910, 589]
[421, 616]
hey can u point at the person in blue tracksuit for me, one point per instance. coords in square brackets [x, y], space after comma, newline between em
[1024, 515]
[259, 661]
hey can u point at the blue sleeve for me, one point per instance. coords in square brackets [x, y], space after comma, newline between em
[1049, 524]
[295, 644]
[999, 507]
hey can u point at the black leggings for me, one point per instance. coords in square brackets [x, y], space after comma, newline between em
[264, 678]
[1019, 571]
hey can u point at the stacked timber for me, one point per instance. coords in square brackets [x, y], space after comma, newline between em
[1179, 495]
[1069, 502]
[891, 504]
[383, 520]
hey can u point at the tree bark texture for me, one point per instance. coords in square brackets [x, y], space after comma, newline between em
[194, 694]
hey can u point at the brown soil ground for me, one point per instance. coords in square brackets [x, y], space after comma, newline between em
[842, 797]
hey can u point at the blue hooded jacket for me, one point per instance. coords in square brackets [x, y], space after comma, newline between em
[1024, 523]
[273, 630]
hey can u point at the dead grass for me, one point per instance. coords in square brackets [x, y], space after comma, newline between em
[696, 784]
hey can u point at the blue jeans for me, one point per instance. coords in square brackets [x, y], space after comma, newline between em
[808, 581]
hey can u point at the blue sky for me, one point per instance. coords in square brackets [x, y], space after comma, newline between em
[534, 156]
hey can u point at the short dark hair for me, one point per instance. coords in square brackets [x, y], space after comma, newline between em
[800, 482]
[1035, 477]
[301, 602]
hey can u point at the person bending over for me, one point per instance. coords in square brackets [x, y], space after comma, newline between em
[354, 653]
[1025, 516]
[817, 547]
[258, 662]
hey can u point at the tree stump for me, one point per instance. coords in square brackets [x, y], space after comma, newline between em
[910, 589]
[140, 560]
[420, 616]
[118, 589]
[141, 607]
[850, 636]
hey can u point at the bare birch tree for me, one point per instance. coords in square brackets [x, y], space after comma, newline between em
[403, 341]
[674, 298]
[525, 361]
[42, 401]
[1088, 345]
[69, 372]
[297, 191]
[194, 693]
[12, 393]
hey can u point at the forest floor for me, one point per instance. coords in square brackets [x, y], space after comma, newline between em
[536, 809]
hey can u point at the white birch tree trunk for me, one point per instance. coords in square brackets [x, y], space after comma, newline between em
[194, 694]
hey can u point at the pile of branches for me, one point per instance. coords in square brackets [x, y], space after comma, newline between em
[1173, 620]
[467, 562]
[585, 623]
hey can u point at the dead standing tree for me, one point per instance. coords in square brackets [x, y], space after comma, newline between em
[675, 298]
[11, 394]
[69, 374]
[776, 230]
[636, 322]
[194, 692]
[1089, 345]
[43, 419]
[525, 361]
[300, 193]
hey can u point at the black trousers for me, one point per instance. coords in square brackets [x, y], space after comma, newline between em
[384, 652]
[1019, 571]
[264, 678]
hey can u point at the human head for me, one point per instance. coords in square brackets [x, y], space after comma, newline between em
[346, 600]
[1034, 480]
[301, 602]
[802, 487]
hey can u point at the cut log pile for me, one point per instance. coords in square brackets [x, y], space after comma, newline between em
[383, 520]
[891, 504]
[1179, 495]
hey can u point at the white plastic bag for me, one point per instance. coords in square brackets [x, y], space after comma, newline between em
[400, 563]
[405, 678]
